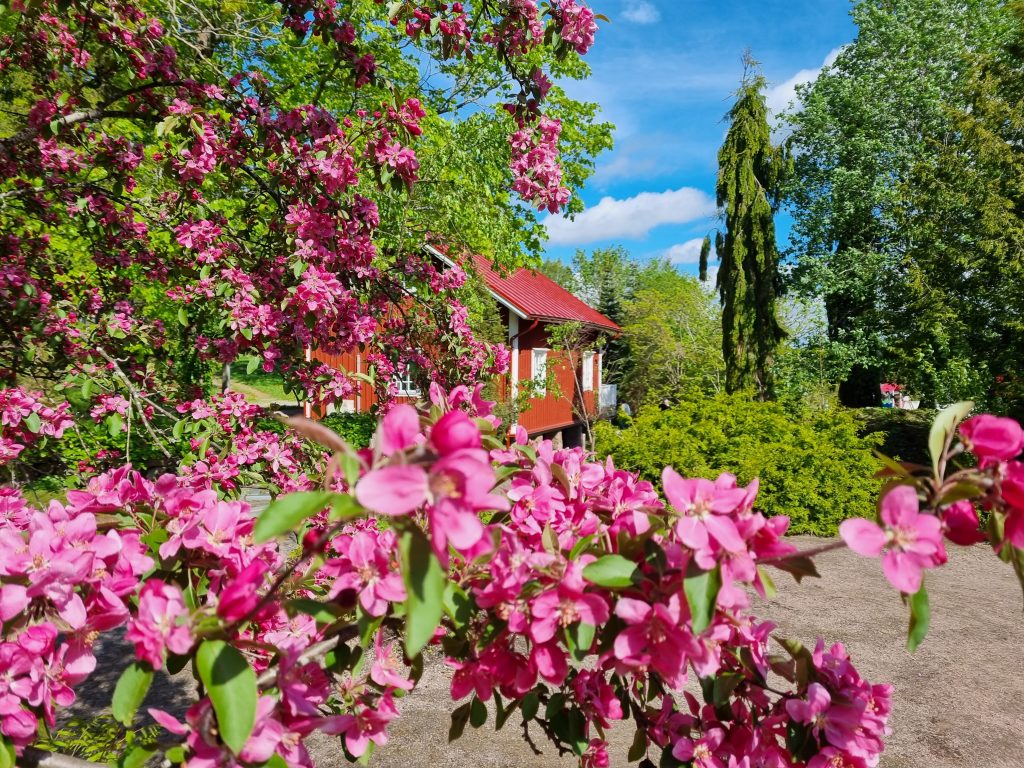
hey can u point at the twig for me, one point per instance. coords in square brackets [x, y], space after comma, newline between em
[805, 553]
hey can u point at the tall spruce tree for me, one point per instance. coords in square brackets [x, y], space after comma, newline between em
[750, 170]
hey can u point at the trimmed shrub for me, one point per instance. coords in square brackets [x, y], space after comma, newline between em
[903, 434]
[356, 428]
[815, 467]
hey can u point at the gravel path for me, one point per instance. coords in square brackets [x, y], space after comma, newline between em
[958, 702]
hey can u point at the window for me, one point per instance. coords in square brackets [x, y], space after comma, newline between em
[540, 372]
[587, 374]
[405, 385]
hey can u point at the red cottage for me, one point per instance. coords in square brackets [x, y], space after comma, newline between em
[563, 385]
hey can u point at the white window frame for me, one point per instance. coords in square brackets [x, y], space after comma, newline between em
[404, 386]
[587, 372]
[539, 370]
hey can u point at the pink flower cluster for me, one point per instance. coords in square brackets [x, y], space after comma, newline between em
[269, 291]
[537, 175]
[527, 571]
[25, 419]
[253, 453]
[578, 25]
[916, 517]
[63, 579]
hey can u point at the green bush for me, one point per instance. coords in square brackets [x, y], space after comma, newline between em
[904, 434]
[814, 467]
[356, 428]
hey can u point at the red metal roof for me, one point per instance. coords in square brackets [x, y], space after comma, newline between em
[539, 297]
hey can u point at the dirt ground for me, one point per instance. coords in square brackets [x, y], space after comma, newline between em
[958, 701]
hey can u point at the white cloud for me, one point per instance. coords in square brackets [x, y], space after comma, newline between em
[630, 219]
[685, 253]
[782, 95]
[640, 12]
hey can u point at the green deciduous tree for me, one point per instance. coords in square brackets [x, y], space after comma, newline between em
[750, 169]
[672, 330]
[884, 107]
[960, 330]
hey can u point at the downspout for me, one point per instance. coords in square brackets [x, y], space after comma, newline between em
[307, 407]
[359, 370]
[513, 337]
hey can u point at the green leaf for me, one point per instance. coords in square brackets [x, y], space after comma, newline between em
[7, 754]
[549, 539]
[323, 613]
[477, 713]
[345, 507]
[231, 685]
[891, 464]
[33, 423]
[286, 513]
[457, 604]
[555, 705]
[130, 692]
[530, 705]
[424, 586]
[114, 424]
[639, 746]
[920, 618]
[136, 757]
[797, 567]
[701, 593]
[178, 429]
[350, 468]
[460, 717]
[276, 761]
[724, 685]
[182, 317]
[252, 365]
[944, 426]
[580, 637]
[766, 581]
[581, 545]
[611, 571]
[503, 713]
[175, 755]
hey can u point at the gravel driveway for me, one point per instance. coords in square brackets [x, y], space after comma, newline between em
[959, 700]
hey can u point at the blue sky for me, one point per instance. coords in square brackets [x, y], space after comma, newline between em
[664, 73]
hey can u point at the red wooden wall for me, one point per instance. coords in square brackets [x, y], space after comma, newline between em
[544, 414]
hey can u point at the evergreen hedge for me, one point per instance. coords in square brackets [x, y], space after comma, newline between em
[816, 467]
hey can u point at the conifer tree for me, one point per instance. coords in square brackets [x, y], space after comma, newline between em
[749, 171]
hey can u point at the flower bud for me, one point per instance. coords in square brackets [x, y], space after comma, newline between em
[455, 431]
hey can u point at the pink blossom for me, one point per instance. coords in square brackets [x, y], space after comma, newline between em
[703, 751]
[912, 542]
[367, 566]
[366, 724]
[565, 605]
[161, 623]
[453, 432]
[992, 438]
[398, 429]
[704, 507]
[961, 525]
[240, 596]
[653, 637]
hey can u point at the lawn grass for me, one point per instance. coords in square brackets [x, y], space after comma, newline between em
[261, 388]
